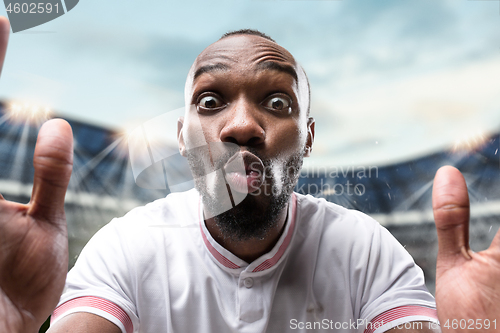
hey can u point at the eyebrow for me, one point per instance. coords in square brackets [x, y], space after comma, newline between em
[210, 68]
[278, 67]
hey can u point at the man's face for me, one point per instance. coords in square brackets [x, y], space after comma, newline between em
[249, 102]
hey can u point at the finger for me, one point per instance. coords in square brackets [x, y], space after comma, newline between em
[495, 244]
[1, 197]
[4, 37]
[450, 202]
[53, 162]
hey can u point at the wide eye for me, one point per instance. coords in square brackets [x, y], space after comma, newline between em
[209, 102]
[279, 103]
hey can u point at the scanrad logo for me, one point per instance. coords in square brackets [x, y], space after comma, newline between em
[26, 14]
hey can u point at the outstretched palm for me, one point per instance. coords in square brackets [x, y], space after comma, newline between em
[33, 238]
[467, 283]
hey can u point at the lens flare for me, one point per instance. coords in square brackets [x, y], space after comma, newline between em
[127, 133]
[470, 142]
[27, 113]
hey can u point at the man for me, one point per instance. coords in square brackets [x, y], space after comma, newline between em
[260, 257]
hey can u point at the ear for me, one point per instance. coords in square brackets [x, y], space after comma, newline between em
[180, 136]
[310, 136]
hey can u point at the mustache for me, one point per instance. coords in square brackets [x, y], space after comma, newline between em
[215, 155]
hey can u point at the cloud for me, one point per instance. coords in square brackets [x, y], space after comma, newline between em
[362, 57]
[157, 59]
[400, 118]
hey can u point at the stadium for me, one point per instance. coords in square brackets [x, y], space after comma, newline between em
[397, 90]
[398, 196]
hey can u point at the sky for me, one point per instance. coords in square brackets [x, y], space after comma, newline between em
[391, 80]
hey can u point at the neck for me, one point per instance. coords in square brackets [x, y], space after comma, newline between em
[251, 249]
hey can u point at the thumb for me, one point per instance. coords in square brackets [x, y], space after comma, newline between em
[450, 202]
[4, 37]
[53, 162]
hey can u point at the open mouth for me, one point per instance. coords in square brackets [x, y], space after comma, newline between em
[245, 172]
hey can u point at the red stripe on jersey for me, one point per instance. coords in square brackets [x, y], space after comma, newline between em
[397, 313]
[96, 303]
[220, 258]
[272, 261]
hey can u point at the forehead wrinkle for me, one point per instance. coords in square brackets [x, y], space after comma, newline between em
[263, 50]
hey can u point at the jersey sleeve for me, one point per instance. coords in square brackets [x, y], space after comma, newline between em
[102, 281]
[394, 291]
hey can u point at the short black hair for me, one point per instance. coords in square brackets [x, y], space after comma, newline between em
[247, 32]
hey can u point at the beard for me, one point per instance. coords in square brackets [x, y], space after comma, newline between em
[259, 211]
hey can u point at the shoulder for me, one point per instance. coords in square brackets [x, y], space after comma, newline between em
[345, 233]
[135, 238]
[148, 226]
[317, 214]
[176, 209]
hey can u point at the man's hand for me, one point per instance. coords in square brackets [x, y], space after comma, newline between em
[467, 283]
[4, 38]
[33, 237]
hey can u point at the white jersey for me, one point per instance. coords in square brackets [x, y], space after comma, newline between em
[157, 269]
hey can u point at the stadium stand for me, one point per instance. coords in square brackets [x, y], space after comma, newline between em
[398, 195]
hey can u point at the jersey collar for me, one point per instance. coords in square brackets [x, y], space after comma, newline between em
[227, 260]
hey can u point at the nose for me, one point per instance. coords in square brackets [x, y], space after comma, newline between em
[243, 128]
